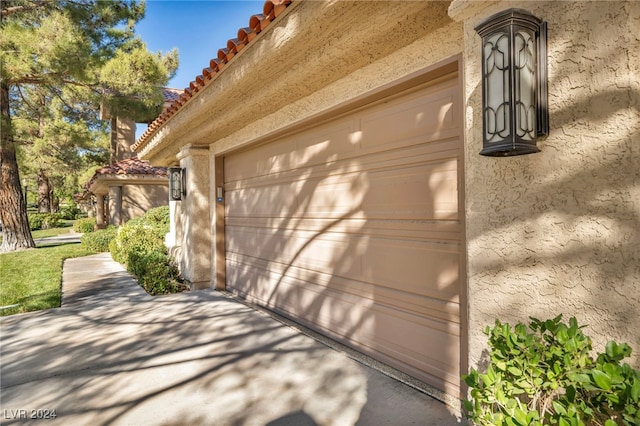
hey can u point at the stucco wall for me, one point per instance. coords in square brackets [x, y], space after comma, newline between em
[195, 219]
[138, 199]
[125, 134]
[408, 37]
[558, 232]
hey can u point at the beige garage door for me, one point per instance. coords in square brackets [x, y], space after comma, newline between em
[354, 227]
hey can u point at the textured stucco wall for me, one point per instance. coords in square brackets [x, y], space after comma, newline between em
[558, 232]
[138, 199]
[125, 137]
[195, 218]
[408, 37]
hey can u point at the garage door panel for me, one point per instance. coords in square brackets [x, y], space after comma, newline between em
[427, 269]
[424, 192]
[354, 228]
[429, 343]
[315, 148]
[419, 267]
[310, 280]
[258, 162]
[305, 285]
[272, 201]
[418, 192]
[426, 117]
[441, 230]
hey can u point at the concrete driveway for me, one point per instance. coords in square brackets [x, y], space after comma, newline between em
[113, 355]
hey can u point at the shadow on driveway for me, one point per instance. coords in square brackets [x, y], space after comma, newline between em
[113, 355]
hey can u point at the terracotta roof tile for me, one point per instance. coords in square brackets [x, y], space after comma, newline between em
[257, 23]
[170, 94]
[130, 166]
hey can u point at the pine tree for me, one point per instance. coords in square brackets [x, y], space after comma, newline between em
[63, 54]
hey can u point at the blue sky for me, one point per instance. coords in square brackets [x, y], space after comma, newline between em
[197, 28]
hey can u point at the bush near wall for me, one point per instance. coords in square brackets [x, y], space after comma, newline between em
[85, 225]
[139, 245]
[545, 374]
[99, 240]
[70, 212]
[39, 221]
[156, 271]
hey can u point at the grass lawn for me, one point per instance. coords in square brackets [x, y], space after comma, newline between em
[32, 278]
[53, 232]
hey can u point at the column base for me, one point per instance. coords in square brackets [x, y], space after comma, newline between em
[200, 285]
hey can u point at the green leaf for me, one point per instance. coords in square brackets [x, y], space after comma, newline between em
[558, 408]
[571, 393]
[515, 371]
[580, 378]
[520, 416]
[602, 380]
[500, 397]
[610, 422]
[635, 390]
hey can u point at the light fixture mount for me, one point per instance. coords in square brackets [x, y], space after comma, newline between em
[177, 187]
[514, 83]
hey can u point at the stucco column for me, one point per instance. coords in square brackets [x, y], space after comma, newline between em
[170, 237]
[195, 261]
[115, 205]
[125, 137]
[100, 211]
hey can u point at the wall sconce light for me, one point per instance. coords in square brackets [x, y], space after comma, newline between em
[177, 187]
[514, 83]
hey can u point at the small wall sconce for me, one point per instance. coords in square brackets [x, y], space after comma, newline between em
[177, 186]
[514, 83]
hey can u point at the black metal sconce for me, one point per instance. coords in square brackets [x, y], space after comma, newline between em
[514, 83]
[177, 187]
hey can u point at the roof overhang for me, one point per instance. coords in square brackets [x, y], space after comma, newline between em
[100, 186]
[307, 47]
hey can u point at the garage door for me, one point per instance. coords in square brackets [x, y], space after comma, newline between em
[354, 228]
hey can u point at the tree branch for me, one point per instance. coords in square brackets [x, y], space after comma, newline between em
[17, 9]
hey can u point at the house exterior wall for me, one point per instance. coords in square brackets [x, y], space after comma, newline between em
[128, 200]
[194, 245]
[138, 199]
[115, 205]
[408, 38]
[558, 232]
[548, 233]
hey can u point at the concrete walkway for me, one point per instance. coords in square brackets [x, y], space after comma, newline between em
[71, 237]
[113, 355]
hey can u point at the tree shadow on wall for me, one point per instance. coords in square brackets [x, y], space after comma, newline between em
[303, 244]
[564, 237]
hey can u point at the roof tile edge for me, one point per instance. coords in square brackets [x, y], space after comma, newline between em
[257, 23]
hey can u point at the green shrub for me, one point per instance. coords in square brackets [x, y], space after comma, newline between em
[139, 245]
[158, 216]
[70, 212]
[156, 272]
[135, 236]
[44, 221]
[99, 240]
[544, 374]
[85, 225]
